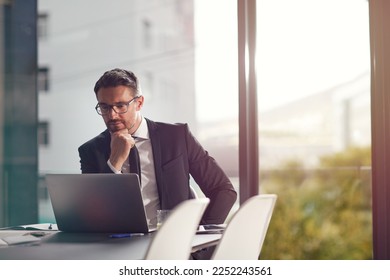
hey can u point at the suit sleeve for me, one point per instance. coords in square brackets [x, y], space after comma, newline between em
[212, 180]
[92, 160]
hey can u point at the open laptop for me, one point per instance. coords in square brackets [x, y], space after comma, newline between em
[97, 203]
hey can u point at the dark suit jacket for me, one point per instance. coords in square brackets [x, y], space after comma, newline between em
[177, 155]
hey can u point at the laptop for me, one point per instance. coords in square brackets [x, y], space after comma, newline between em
[100, 202]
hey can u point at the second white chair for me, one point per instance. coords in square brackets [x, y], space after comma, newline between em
[244, 234]
[169, 243]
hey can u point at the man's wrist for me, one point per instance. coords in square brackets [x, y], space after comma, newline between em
[116, 171]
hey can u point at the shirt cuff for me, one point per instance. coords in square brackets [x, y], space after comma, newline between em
[113, 168]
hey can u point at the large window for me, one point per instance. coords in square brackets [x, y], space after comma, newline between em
[315, 127]
[313, 92]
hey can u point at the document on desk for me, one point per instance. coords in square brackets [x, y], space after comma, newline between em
[18, 239]
[3, 243]
[23, 234]
[45, 226]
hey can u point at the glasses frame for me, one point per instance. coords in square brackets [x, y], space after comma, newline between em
[112, 107]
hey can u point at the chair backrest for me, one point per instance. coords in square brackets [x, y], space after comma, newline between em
[173, 240]
[245, 232]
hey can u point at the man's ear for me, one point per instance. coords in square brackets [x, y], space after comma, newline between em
[140, 102]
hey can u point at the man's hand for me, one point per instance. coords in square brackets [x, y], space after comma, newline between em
[121, 144]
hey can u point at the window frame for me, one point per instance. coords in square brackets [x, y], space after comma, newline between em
[248, 124]
[379, 11]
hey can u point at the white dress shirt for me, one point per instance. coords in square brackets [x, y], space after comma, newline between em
[148, 176]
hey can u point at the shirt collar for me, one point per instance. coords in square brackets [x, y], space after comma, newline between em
[142, 132]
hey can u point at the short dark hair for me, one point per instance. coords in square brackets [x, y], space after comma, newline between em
[117, 77]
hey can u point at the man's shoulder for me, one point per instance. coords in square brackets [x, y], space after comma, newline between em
[96, 140]
[157, 125]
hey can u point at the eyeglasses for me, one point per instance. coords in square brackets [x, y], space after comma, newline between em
[119, 108]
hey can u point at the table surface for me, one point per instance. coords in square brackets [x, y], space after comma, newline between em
[57, 245]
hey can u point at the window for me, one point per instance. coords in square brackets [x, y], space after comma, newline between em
[147, 33]
[43, 79]
[42, 26]
[147, 85]
[314, 127]
[43, 133]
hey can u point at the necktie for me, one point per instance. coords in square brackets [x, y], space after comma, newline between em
[134, 162]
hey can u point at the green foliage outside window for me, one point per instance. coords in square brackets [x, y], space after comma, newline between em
[323, 213]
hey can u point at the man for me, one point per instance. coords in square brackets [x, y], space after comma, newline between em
[168, 153]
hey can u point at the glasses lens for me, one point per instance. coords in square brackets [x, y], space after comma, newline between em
[121, 108]
[102, 109]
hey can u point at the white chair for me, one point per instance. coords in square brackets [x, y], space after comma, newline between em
[245, 232]
[173, 240]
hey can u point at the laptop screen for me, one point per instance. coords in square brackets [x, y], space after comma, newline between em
[97, 202]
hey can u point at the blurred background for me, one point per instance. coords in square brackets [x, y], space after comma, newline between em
[313, 87]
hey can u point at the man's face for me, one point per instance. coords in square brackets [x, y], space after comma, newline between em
[118, 96]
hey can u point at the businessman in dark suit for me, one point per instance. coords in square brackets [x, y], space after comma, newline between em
[169, 154]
